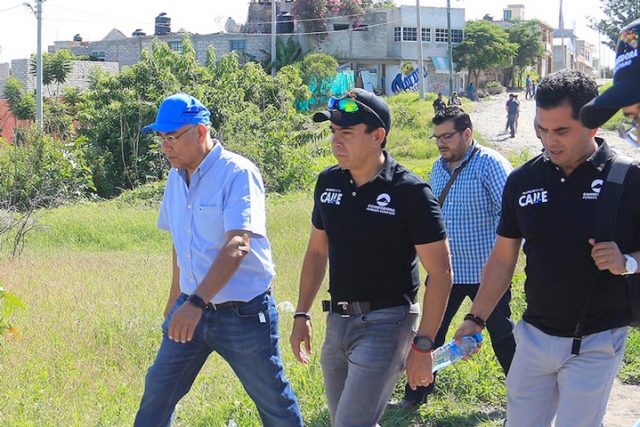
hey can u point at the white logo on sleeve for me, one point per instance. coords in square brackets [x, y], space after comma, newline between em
[596, 186]
[331, 196]
[533, 197]
[383, 199]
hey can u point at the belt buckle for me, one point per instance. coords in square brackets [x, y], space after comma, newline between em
[344, 306]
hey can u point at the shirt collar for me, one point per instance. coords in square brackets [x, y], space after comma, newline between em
[388, 168]
[598, 159]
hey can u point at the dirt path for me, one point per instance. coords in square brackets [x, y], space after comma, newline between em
[489, 119]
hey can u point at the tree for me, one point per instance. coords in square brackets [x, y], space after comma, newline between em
[21, 104]
[55, 67]
[618, 13]
[485, 46]
[313, 13]
[526, 34]
[318, 70]
[286, 54]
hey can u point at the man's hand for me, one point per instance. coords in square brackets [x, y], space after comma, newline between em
[183, 323]
[419, 369]
[468, 328]
[301, 333]
[607, 256]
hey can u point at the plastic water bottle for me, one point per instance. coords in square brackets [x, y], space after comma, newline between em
[452, 352]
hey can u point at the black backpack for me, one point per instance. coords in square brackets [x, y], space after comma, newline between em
[606, 215]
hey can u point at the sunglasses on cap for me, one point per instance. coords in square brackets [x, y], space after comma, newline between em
[349, 105]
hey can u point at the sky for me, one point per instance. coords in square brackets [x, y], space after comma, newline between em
[62, 19]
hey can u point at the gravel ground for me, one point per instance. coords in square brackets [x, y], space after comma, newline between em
[489, 119]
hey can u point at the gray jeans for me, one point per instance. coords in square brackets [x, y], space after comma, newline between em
[362, 359]
[546, 381]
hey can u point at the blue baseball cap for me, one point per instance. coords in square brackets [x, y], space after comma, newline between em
[625, 90]
[179, 110]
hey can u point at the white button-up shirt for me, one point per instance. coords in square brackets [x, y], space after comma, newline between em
[226, 193]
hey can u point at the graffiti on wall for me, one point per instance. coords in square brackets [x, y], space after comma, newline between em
[407, 81]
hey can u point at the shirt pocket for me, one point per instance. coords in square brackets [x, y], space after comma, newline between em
[208, 223]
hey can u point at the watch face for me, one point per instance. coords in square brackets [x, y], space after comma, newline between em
[423, 343]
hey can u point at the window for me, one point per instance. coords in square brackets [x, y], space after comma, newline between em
[409, 34]
[176, 46]
[506, 15]
[397, 34]
[98, 55]
[456, 36]
[441, 35]
[237, 45]
[340, 27]
[426, 34]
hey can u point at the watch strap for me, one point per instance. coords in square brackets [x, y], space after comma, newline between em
[197, 301]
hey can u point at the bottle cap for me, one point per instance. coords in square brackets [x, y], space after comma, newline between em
[477, 336]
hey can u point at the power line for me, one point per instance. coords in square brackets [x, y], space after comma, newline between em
[11, 8]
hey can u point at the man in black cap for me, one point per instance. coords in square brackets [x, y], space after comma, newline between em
[625, 92]
[371, 217]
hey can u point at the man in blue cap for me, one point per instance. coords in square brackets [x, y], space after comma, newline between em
[625, 91]
[220, 298]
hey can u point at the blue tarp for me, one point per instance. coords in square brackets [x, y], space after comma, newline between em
[342, 82]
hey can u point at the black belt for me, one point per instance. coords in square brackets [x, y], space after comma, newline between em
[352, 308]
[214, 307]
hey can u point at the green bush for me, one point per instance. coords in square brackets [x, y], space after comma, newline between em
[41, 173]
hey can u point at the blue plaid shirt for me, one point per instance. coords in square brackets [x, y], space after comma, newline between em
[471, 210]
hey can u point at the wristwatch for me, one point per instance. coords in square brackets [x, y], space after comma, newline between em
[422, 344]
[630, 264]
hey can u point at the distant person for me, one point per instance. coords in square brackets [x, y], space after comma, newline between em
[471, 92]
[220, 298]
[372, 221]
[533, 88]
[471, 210]
[625, 91]
[439, 103]
[571, 339]
[528, 94]
[454, 100]
[513, 109]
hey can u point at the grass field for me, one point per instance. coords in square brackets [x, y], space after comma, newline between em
[95, 277]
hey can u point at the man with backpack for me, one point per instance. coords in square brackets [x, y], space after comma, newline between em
[571, 339]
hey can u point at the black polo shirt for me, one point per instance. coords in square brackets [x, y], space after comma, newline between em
[555, 214]
[372, 231]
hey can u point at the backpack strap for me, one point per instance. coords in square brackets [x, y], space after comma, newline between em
[604, 227]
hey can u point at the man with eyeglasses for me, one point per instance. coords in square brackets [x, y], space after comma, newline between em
[625, 91]
[220, 298]
[371, 216]
[468, 180]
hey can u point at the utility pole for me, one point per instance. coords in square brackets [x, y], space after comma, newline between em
[420, 53]
[39, 108]
[273, 37]
[38, 13]
[450, 47]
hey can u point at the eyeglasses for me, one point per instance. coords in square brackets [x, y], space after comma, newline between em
[628, 130]
[350, 105]
[445, 137]
[170, 139]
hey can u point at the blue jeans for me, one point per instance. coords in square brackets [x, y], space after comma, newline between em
[499, 325]
[246, 336]
[362, 359]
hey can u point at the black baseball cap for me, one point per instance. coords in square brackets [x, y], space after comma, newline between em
[375, 111]
[625, 90]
